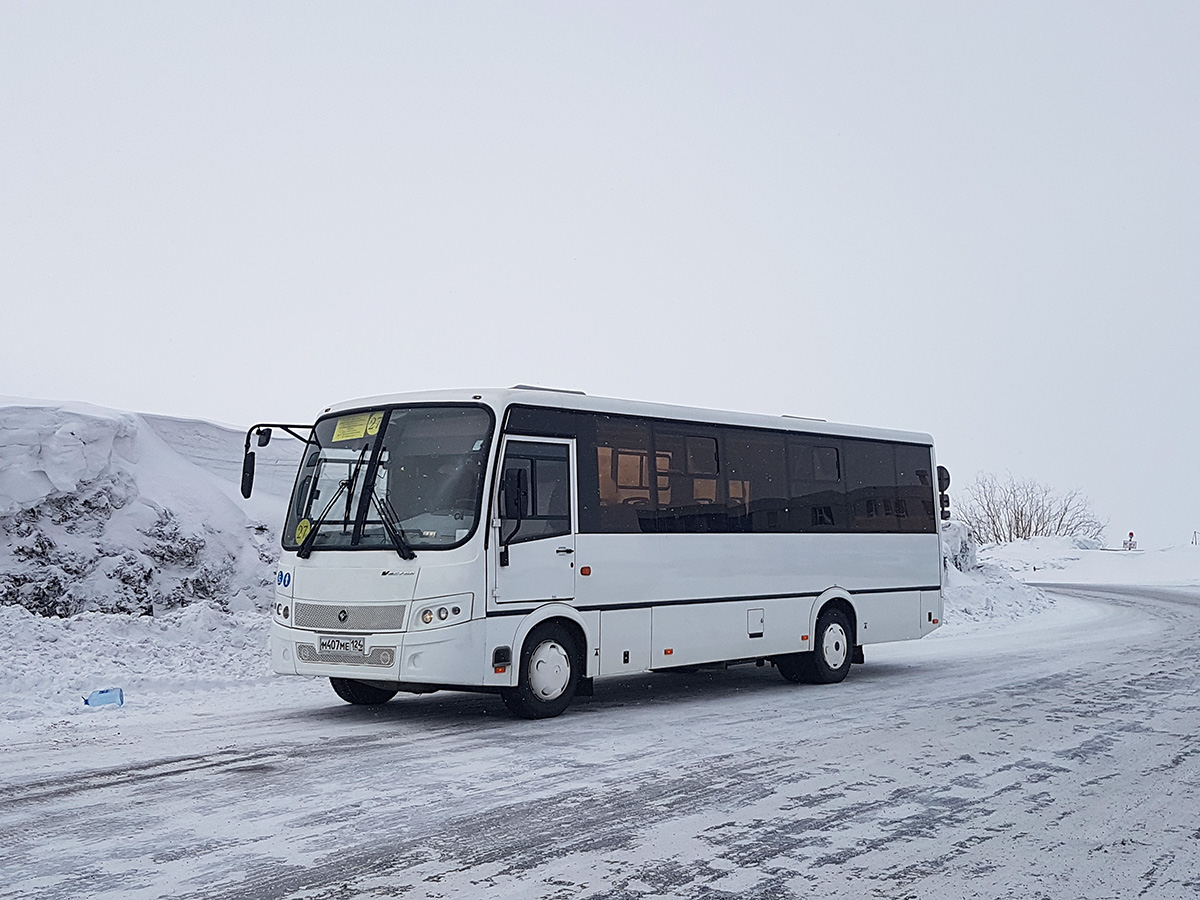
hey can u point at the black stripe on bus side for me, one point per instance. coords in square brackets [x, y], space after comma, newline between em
[598, 607]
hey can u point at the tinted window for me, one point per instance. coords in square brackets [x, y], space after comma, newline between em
[871, 485]
[817, 498]
[914, 491]
[624, 473]
[690, 491]
[756, 481]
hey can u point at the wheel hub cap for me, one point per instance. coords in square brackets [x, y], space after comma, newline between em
[549, 670]
[834, 646]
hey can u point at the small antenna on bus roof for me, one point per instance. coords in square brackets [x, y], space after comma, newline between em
[534, 387]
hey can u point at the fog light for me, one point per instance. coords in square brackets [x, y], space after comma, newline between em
[455, 610]
[427, 616]
[285, 612]
[443, 614]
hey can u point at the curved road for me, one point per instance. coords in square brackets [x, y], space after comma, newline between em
[1053, 758]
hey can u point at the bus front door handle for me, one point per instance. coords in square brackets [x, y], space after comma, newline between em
[564, 550]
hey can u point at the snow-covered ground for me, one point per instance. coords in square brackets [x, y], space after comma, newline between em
[1038, 745]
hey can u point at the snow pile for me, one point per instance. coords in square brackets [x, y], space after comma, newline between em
[982, 592]
[1074, 561]
[99, 513]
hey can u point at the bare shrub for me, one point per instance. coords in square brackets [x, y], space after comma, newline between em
[1002, 511]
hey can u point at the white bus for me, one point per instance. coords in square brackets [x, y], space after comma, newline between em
[524, 542]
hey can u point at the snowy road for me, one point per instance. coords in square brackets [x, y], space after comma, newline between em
[1052, 758]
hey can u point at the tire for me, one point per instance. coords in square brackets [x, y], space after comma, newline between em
[549, 674]
[791, 666]
[361, 693]
[830, 662]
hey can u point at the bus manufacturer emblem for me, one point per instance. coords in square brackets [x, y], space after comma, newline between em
[343, 615]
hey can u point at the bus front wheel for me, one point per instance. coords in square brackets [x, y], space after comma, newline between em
[360, 693]
[830, 661]
[548, 676]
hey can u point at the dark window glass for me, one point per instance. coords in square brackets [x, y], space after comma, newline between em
[690, 495]
[870, 474]
[914, 487]
[816, 489]
[547, 508]
[624, 490]
[756, 481]
[543, 422]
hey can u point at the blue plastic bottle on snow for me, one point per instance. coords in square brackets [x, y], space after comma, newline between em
[106, 697]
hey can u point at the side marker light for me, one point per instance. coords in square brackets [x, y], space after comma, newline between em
[585, 570]
[668, 651]
[500, 670]
[804, 637]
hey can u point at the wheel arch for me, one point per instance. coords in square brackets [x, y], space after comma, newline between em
[835, 598]
[569, 618]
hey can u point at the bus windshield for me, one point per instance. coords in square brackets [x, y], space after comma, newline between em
[412, 473]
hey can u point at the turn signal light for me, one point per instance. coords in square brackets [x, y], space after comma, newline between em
[500, 670]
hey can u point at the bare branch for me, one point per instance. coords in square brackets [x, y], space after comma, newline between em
[1001, 512]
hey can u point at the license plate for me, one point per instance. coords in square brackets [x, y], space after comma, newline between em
[343, 645]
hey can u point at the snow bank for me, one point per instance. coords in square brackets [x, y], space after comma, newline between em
[98, 513]
[1073, 561]
[981, 593]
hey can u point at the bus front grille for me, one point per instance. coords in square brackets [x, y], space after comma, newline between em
[344, 617]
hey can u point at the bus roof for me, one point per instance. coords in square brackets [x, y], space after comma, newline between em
[500, 398]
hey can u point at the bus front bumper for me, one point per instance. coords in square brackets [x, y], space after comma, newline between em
[447, 655]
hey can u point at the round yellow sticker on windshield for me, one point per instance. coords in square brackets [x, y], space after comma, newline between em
[374, 422]
[302, 530]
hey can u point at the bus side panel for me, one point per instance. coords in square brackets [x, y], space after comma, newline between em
[888, 617]
[931, 610]
[624, 641]
[652, 568]
[710, 632]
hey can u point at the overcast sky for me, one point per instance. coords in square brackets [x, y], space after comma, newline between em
[978, 220]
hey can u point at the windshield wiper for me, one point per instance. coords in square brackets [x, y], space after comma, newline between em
[391, 524]
[304, 551]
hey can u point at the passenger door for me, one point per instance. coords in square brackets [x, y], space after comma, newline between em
[534, 552]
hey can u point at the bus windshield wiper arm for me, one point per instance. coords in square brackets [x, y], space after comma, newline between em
[391, 524]
[304, 551]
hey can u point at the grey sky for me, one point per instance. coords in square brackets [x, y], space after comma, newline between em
[978, 220]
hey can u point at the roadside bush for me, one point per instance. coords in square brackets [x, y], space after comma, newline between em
[999, 512]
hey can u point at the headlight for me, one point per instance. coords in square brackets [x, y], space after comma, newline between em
[441, 612]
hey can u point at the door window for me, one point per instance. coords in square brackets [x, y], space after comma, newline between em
[546, 510]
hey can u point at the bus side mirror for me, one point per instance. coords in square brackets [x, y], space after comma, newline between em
[943, 479]
[264, 436]
[248, 473]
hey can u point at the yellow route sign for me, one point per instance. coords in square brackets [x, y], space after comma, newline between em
[351, 427]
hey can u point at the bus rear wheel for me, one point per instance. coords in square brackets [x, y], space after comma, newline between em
[360, 693]
[549, 674]
[830, 662]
